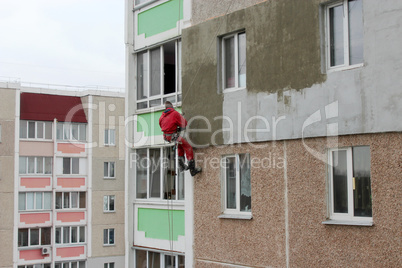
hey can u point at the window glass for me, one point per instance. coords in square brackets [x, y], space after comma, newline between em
[48, 165]
[112, 137]
[155, 72]
[141, 258]
[74, 199]
[153, 259]
[82, 264]
[336, 35]
[111, 169]
[23, 237]
[142, 76]
[74, 235]
[58, 236]
[66, 235]
[76, 165]
[66, 131]
[66, 165]
[59, 131]
[111, 203]
[231, 182]
[82, 200]
[106, 169]
[105, 236]
[66, 200]
[106, 136]
[47, 200]
[39, 200]
[340, 186]
[229, 72]
[45, 236]
[34, 237]
[30, 201]
[155, 173]
[59, 200]
[74, 132]
[361, 181]
[23, 165]
[169, 67]
[31, 165]
[245, 183]
[83, 132]
[39, 130]
[111, 236]
[141, 166]
[48, 130]
[242, 60]
[355, 31]
[31, 130]
[23, 129]
[39, 165]
[21, 201]
[105, 203]
[82, 234]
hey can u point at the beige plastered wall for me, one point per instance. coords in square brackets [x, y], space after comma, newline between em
[7, 122]
[289, 204]
[108, 113]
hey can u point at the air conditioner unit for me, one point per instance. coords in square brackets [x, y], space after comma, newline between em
[46, 250]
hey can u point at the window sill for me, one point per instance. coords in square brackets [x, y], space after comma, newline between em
[112, 245]
[236, 216]
[109, 178]
[344, 68]
[233, 89]
[349, 222]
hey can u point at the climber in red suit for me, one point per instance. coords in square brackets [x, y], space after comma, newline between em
[169, 122]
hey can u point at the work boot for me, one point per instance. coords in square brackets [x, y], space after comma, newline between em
[193, 170]
[182, 166]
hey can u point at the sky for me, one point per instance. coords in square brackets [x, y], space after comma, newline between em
[63, 42]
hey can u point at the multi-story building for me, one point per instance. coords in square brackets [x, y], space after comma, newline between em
[62, 176]
[294, 108]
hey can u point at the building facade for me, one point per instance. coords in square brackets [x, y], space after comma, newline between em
[293, 107]
[64, 181]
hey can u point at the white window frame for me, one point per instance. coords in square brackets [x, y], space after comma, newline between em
[35, 204]
[40, 265]
[108, 141]
[70, 234]
[39, 238]
[109, 265]
[346, 64]
[61, 264]
[162, 256]
[36, 165]
[70, 202]
[68, 128]
[106, 203]
[228, 212]
[108, 236]
[45, 123]
[236, 63]
[179, 182]
[71, 165]
[109, 170]
[343, 218]
[161, 96]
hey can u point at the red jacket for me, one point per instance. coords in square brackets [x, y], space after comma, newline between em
[170, 120]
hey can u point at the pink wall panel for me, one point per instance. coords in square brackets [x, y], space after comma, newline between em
[37, 148]
[32, 254]
[70, 252]
[35, 182]
[34, 218]
[70, 216]
[70, 182]
[70, 148]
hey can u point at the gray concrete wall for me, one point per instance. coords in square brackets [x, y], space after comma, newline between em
[7, 148]
[288, 94]
[108, 113]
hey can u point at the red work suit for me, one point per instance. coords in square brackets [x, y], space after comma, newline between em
[169, 121]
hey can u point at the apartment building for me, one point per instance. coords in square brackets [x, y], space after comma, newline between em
[293, 107]
[63, 178]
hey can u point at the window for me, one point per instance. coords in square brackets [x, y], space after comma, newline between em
[34, 237]
[70, 264]
[110, 137]
[158, 75]
[108, 265]
[36, 130]
[233, 61]
[236, 184]
[108, 203]
[35, 165]
[74, 200]
[108, 237]
[70, 235]
[108, 170]
[144, 258]
[71, 165]
[157, 175]
[344, 34]
[41, 265]
[350, 184]
[34, 201]
[71, 131]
